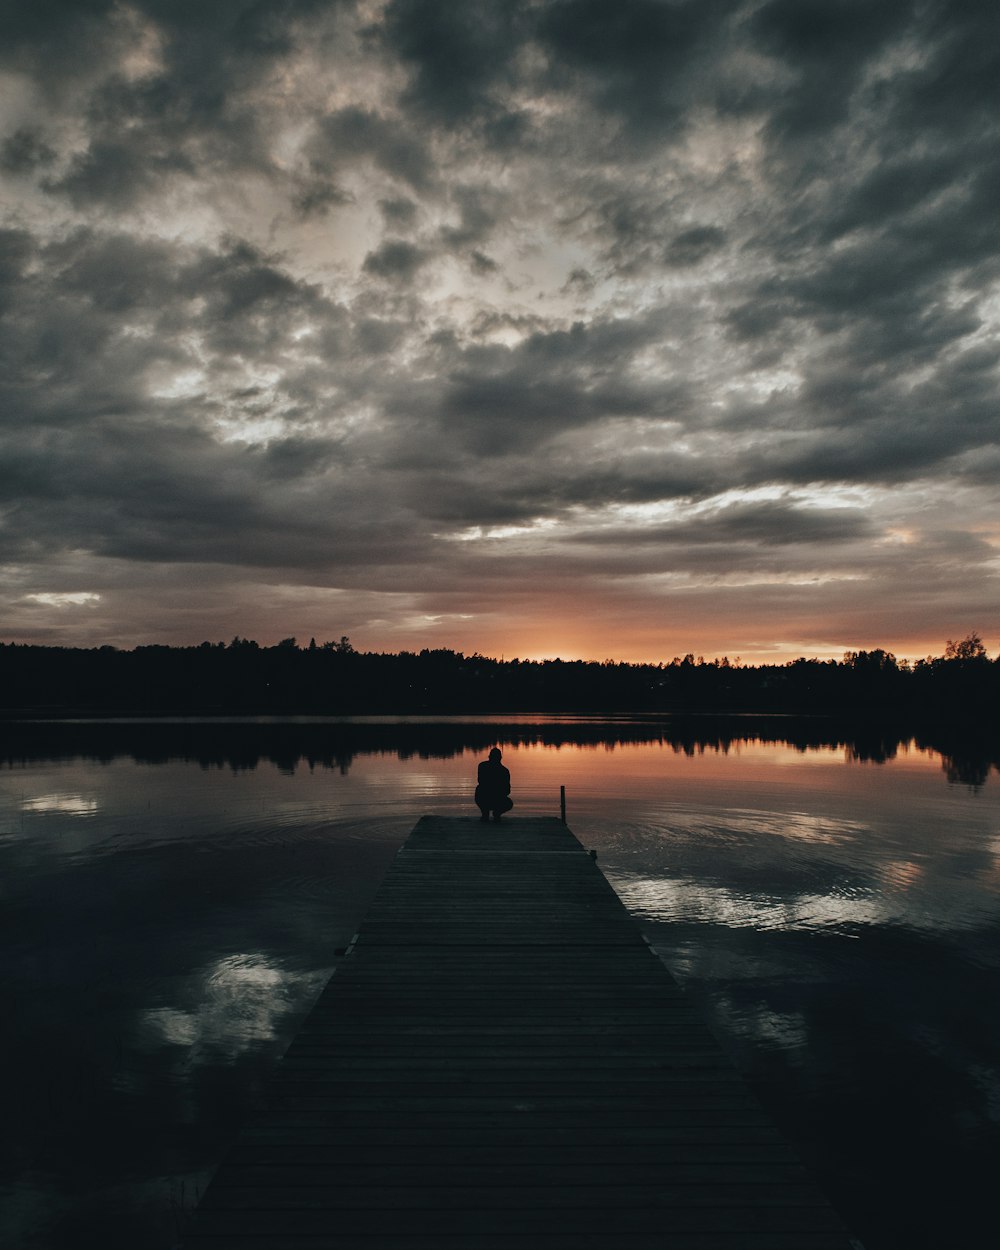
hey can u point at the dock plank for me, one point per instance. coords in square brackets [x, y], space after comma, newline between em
[501, 1060]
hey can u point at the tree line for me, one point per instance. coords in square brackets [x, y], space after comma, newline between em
[244, 678]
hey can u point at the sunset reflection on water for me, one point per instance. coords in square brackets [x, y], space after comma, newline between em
[830, 914]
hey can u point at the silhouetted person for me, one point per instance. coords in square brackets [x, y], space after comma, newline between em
[493, 790]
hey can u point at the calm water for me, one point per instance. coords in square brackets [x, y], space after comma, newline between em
[170, 909]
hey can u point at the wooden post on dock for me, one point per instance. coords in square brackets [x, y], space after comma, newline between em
[562, 804]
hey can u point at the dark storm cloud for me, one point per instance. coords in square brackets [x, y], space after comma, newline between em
[580, 282]
[396, 260]
[633, 230]
[353, 133]
[499, 400]
[691, 247]
[459, 56]
[107, 463]
[319, 288]
[24, 151]
[17, 247]
[482, 264]
[194, 109]
[46, 37]
[636, 59]
[400, 213]
[316, 196]
[180, 498]
[955, 82]
[478, 212]
[763, 524]
[252, 300]
[117, 174]
[827, 46]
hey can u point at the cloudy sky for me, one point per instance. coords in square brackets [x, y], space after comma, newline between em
[536, 327]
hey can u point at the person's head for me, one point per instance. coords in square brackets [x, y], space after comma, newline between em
[495, 755]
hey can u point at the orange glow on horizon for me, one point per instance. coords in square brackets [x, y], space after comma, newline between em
[570, 647]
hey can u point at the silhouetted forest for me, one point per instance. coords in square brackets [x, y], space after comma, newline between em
[244, 678]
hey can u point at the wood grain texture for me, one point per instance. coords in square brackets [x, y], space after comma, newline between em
[501, 1061]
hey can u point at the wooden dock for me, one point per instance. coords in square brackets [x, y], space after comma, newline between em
[501, 1061]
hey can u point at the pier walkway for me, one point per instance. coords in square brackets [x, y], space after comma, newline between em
[501, 1061]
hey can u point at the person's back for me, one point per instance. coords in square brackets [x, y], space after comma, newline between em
[493, 787]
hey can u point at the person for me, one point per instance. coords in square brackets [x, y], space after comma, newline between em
[493, 788]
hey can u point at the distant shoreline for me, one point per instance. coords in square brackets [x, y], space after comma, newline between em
[287, 681]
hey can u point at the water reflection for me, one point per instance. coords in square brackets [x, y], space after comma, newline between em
[66, 804]
[241, 1000]
[832, 900]
[335, 742]
[666, 901]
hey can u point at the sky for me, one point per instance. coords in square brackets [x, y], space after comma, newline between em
[590, 328]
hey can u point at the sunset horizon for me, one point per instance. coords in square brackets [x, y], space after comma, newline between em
[778, 654]
[555, 328]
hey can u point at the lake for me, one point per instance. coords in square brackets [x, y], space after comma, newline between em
[174, 896]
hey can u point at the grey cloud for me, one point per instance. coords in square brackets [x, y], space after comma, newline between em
[162, 492]
[460, 55]
[56, 347]
[896, 188]
[829, 44]
[869, 427]
[194, 109]
[510, 412]
[637, 58]
[17, 247]
[632, 227]
[580, 281]
[117, 173]
[251, 304]
[692, 246]
[490, 320]
[953, 89]
[477, 217]
[499, 399]
[141, 298]
[314, 197]
[117, 273]
[298, 458]
[894, 273]
[640, 233]
[482, 264]
[240, 278]
[45, 38]
[634, 60]
[246, 24]
[396, 260]
[553, 489]
[907, 444]
[352, 133]
[510, 132]
[375, 336]
[770, 524]
[484, 477]
[760, 316]
[880, 166]
[400, 213]
[105, 466]
[516, 412]
[25, 150]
